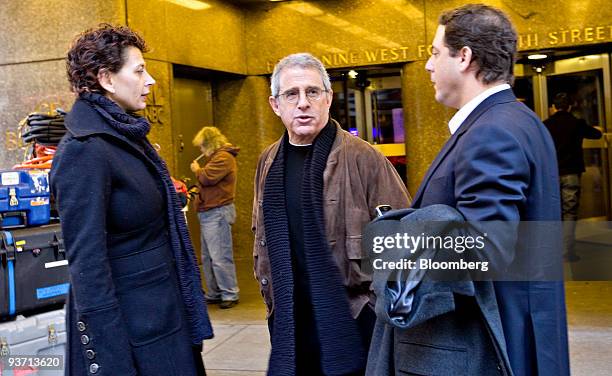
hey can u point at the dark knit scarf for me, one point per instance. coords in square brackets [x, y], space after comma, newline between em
[342, 351]
[136, 129]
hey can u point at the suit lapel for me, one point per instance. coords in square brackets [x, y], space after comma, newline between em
[500, 97]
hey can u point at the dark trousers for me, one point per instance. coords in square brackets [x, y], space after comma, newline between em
[307, 348]
[199, 363]
[570, 204]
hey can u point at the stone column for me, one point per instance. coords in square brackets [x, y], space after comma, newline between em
[242, 111]
[425, 122]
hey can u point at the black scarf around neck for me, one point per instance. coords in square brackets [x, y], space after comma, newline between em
[342, 351]
[133, 127]
[136, 129]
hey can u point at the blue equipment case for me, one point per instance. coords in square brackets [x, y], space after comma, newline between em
[33, 270]
[24, 198]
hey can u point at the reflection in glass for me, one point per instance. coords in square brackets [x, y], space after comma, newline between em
[368, 104]
[387, 116]
[523, 89]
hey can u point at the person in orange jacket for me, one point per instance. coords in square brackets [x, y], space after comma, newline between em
[216, 211]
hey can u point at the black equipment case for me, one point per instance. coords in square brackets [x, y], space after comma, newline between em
[33, 270]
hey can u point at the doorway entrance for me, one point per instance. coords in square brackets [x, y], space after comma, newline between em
[192, 109]
[586, 80]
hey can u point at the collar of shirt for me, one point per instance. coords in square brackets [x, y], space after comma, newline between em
[299, 144]
[470, 106]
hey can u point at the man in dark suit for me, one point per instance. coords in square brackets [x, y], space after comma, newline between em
[568, 132]
[498, 165]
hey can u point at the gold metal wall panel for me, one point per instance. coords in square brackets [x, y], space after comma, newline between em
[206, 34]
[340, 33]
[159, 110]
[41, 30]
[425, 122]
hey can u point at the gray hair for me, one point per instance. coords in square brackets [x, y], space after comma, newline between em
[303, 60]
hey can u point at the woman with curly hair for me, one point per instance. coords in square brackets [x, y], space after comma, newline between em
[136, 305]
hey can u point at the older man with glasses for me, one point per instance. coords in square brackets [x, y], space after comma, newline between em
[315, 189]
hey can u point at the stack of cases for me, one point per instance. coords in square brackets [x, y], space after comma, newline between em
[40, 339]
[33, 277]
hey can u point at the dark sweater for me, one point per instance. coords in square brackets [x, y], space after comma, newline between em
[307, 345]
[568, 132]
[294, 168]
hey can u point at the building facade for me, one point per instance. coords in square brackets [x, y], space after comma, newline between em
[212, 60]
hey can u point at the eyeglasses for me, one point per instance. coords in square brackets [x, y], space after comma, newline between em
[312, 94]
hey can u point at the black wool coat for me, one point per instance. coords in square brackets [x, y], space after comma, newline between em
[125, 313]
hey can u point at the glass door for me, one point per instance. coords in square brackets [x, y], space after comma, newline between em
[586, 80]
[368, 104]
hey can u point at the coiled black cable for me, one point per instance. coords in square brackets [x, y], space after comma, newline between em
[43, 128]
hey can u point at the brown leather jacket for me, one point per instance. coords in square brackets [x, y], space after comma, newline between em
[357, 178]
[217, 179]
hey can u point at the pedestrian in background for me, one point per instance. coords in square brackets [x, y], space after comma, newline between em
[568, 132]
[216, 211]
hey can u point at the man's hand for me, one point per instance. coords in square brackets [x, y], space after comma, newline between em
[195, 166]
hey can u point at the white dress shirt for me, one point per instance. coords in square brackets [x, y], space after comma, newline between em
[470, 106]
